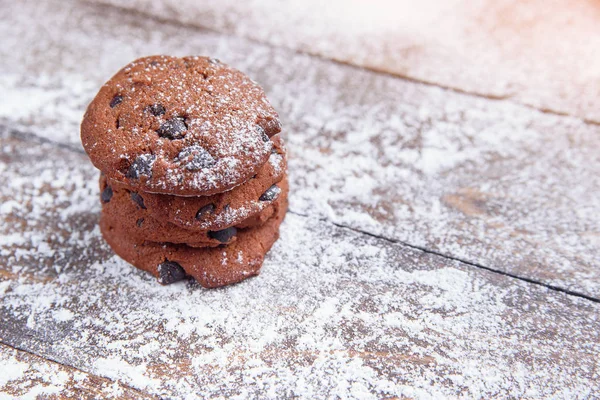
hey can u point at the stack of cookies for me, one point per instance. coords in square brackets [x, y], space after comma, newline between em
[193, 170]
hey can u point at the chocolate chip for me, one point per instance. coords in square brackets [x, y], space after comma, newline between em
[116, 101]
[172, 129]
[270, 194]
[137, 199]
[205, 211]
[142, 166]
[224, 235]
[262, 133]
[196, 158]
[139, 222]
[271, 126]
[156, 109]
[106, 195]
[169, 272]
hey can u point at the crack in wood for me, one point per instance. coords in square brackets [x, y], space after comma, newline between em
[490, 97]
[449, 257]
[51, 360]
[174, 22]
[30, 136]
[33, 137]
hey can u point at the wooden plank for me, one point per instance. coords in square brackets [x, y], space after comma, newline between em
[486, 181]
[335, 313]
[27, 376]
[542, 53]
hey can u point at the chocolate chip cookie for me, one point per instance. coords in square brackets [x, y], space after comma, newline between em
[223, 209]
[126, 211]
[211, 267]
[189, 126]
[193, 169]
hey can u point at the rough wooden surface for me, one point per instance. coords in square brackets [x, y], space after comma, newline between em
[489, 182]
[24, 376]
[339, 310]
[334, 313]
[538, 52]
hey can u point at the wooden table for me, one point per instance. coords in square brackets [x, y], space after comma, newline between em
[443, 238]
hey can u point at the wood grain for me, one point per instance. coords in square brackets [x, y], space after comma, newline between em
[538, 52]
[335, 313]
[27, 376]
[489, 182]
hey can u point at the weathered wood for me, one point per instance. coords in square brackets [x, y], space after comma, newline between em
[27, 376]
[334, 313]
[486, 181]
[542, 53]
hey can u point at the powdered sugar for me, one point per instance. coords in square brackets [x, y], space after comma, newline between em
[438, 166]
[335, 312]
[25, 376]
[11, 369]
[529, 51]
[166, 108]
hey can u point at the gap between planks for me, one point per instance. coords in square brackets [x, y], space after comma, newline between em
[460, 260]
[29, 136]
[18, 349]
[197, 27]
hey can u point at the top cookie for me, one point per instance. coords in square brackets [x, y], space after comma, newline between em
[189, 126]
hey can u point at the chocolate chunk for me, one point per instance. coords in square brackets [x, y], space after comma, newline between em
[156, 109]
[169, 272]
[223, 235]
[172, 129]
[270, 194]
[205, 211]
[116, 101]
[137, 199]
[107, 194]
[262, 133]
[271, 126]
[195, 158]
[139, 222]
[142, 166]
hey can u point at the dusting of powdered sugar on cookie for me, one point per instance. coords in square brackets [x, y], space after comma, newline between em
[186, 126]
[231, 215]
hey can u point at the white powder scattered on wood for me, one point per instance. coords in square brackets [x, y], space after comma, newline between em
[476, 179]
[533, 52]
[334, 313]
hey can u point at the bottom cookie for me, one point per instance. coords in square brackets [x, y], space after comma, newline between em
[211, 267]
